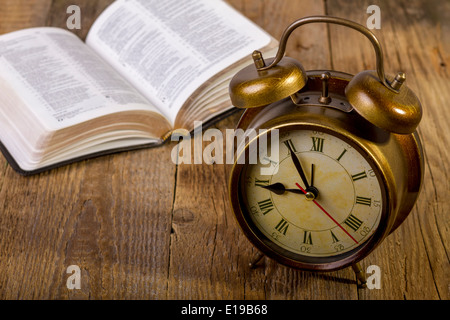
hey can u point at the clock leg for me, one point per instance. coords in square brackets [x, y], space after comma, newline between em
[255, 260]
[360, 276]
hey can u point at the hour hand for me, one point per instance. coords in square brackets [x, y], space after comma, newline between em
[279, 188]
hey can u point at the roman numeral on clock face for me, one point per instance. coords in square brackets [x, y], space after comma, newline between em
[307, 239]
[289, 145]
[317, 144]
[341, 155]
[333, 237]
[261, 183]
[265, 206]
[358, 176]
[353, 222]
[282, 226]
[364, 201]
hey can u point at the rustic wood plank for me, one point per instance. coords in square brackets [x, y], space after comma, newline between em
[201, 259]
[141, 227]
[106, 216]
[90, 10]
[20, 14]
[110, 216]
[14, 191]
[309, 44]
[413, 260]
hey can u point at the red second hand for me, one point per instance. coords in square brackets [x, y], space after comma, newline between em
[320, 207]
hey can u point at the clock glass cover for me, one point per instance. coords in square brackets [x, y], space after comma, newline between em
[321, 200]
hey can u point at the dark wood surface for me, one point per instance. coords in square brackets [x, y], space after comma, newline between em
[141, 227]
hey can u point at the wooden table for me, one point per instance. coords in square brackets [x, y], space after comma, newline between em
[141, 227]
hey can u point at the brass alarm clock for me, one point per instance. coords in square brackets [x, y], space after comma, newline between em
[347, 167]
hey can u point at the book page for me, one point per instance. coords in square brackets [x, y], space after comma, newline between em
[167, 49]
[61, 79]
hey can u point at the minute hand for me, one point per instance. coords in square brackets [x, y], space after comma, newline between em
[298, 166]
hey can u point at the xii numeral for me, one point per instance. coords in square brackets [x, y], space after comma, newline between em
[317, 144]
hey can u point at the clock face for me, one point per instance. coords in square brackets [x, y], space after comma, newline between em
[321, 199]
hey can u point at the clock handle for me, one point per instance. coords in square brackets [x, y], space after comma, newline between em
[393, 86]
[391, 106]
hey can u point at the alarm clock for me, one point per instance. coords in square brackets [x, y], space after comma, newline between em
[348, 164]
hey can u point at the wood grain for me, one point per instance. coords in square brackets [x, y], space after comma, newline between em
[417, 253]
[141, 227]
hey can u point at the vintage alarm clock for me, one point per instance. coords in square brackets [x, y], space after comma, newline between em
[349, 164]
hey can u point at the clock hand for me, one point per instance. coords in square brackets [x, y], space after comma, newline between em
[279, 188]
[298, 166]
[321, 208]
[312, 191]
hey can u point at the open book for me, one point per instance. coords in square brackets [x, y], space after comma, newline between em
[147, 68]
